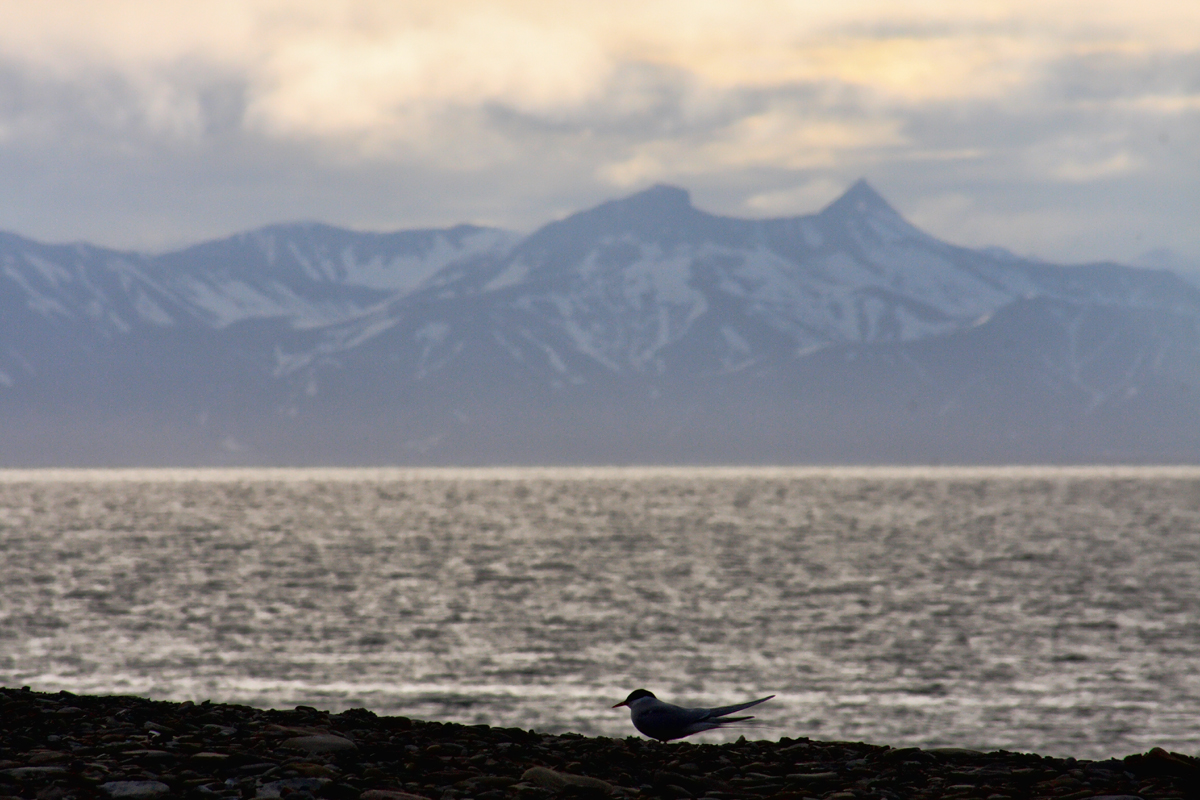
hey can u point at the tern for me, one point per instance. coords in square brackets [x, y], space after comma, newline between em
[665, 722]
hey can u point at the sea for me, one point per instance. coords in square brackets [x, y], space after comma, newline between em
[1036, 609]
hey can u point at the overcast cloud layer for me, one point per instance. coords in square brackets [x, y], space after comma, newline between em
[1064, 129]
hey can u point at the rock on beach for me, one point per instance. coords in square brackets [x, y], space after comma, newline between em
[125, 747]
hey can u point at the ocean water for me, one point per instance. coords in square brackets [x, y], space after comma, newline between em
[1034, 609]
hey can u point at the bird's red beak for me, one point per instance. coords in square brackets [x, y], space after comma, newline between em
[618, 705]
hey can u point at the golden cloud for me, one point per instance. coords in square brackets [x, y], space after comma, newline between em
[379, 71]
[777, 138]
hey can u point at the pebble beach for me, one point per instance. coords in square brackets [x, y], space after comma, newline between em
[57, 746]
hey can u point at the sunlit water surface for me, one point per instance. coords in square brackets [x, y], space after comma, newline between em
[1051, 610]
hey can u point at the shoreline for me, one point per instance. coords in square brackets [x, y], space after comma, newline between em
[58, 746]
[64, 745]
[602, 472]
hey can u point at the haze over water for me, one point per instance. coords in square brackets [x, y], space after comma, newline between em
[1037, 609]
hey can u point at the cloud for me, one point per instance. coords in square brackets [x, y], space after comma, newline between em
[398, 83]
[1078, 171]
[133, 121]
[795, 199]
[1047, 228]
[777, 138]
[375, 72]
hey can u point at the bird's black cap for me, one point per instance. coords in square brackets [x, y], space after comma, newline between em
[636, 694]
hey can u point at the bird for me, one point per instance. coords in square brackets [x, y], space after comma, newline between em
[665, 722]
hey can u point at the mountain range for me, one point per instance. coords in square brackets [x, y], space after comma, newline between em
[643, 330]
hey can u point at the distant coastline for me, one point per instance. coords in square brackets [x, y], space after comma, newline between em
[598, 472]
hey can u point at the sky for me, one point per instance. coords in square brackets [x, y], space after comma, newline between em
[1068, 130]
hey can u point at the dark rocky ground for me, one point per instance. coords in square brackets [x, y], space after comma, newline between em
[63, 745]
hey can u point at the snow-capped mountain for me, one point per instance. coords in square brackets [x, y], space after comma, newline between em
[79, 297]
[315, 274]
[649, 284]
[640, 330]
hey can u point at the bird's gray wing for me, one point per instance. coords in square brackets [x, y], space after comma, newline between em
[665, 713]
[723, 710]
[665, 721]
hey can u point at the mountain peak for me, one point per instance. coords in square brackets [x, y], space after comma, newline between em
[660, 196]
[860, 198]
[862, 204]
[654, 212]
[660, 201]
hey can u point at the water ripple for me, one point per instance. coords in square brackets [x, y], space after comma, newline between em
[1025, 608]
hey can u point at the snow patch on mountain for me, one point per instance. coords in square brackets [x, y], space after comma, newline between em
[513, 274]
[404, 273]
[150, 311]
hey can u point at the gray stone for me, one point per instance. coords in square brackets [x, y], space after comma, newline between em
[557, 781]
[320, 743]
[21, 773]
[149, 755]
[276, 788]
[811, 777]
[135, 789]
